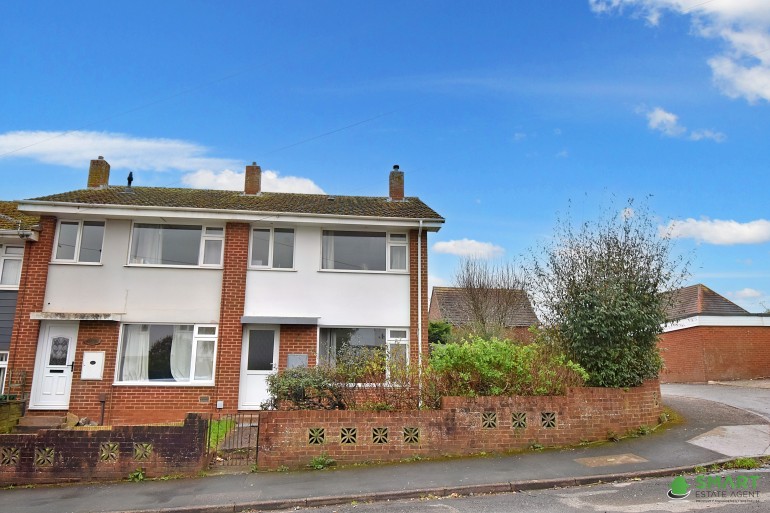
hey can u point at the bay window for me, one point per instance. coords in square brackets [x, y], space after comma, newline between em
[363, 251]
[79, 241]
[177, 245]
[167, 354]
[10, 265]
[272, 248]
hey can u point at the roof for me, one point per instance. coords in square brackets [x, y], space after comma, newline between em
[700, 300]
[452, 307]
[12, 219]
[283, 202]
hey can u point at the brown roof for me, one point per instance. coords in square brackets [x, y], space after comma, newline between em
[448, 304]
[368, 206]
[700, 300]
[12, 219]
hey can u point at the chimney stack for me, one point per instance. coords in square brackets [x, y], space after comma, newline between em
[98, 173]
[253, 182]
[396, 184]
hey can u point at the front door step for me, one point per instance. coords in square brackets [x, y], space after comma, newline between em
[34, 423]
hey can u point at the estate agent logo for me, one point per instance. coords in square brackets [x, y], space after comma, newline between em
[713, 488]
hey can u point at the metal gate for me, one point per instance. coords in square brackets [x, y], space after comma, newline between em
[232, 439]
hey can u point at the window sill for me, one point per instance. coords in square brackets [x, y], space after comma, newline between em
[207, 384]
[278, 269]
[156, 266]
[67, 262]
[357, 271]
[9, 287]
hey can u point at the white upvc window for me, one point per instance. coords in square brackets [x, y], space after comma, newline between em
[10, 265]
[272, 248]
[79, 241]
[394, 341]
[176, 245]
[167, 354]
[348, 250]
[3, 369]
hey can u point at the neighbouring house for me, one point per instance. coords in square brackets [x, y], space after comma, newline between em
[451, 305]
[147, 303]
[16, 229]
[710, 338]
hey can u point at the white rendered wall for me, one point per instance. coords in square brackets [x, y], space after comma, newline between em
[337, 298]
[141, 294]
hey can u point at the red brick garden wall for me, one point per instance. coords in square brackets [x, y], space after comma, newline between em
[462, 426]
[61, 455]
[715, 353]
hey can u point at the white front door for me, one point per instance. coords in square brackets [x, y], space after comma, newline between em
[259, 359]
[53, 366]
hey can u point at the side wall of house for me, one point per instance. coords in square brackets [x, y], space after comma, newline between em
[34, 275]
[715, 353]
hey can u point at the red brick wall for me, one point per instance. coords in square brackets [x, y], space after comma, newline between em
[34, 275]
[297, 339]
[413, 296]
[715, 353]
[228, 372]
[457, 429]
[177, 449]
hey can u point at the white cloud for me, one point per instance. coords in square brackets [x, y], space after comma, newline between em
[665, 122]
[746, 293]
[233, 181]
[742, 68]
[668, 124]
[716, 231]
[435, 281]
[469, 248]
[563, 154]
[76, 148]
[519, 136]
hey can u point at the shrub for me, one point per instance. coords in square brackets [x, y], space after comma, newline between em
[479, 367]
[439, 332]
[306, 388]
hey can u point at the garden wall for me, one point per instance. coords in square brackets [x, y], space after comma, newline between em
[462, 426]
[83, 454]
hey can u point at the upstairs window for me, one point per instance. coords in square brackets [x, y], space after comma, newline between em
[10, 265]
[177, 245]
[272, 248]
[79, 241]
[364, 251]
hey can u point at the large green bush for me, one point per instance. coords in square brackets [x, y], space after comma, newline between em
[479, 367]
[600, 289]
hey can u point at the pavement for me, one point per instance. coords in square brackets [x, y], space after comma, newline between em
[717, 427]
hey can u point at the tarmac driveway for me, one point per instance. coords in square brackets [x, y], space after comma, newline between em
[749, 395]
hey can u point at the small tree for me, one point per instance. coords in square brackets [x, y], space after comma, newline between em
[439, 332]
[600, 289]
[491, 293]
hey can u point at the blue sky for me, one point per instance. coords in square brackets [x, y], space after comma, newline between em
[501, 113]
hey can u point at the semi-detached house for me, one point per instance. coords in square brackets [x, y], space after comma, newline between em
[152, 302]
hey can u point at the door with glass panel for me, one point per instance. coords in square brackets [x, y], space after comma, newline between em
[53, 368]
[259, 359]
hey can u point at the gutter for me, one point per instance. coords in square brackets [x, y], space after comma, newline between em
[419, 311]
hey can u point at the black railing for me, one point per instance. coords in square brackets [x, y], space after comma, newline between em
[232, 439]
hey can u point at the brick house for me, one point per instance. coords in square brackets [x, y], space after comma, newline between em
[710, 338]
[450, 304]
[16, 229]
[153, 302]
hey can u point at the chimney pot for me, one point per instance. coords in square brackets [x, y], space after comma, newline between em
[396, 184]
[253, 180]
[98, 173]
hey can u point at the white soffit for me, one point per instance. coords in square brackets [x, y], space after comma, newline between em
[718, 320]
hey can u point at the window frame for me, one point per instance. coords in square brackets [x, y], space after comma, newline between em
[271, 246]
[201, 245]
[78, 241]
[5, 257]
[3, 370]
[389, 243]
[196, 338]
[390, 340]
